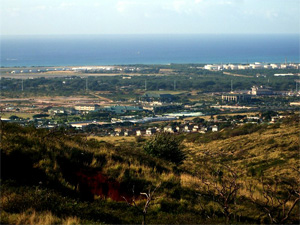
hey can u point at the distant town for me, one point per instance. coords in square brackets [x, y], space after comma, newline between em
[130, 69]
[256, 65]
[146, 99]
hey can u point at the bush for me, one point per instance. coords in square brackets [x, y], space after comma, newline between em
[40, 116]
[165, 146]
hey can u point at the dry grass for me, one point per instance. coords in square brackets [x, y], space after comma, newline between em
[114, 139]
[272, 144]
[71, 220]
[31, 217]
[273, 150]
[190, 181]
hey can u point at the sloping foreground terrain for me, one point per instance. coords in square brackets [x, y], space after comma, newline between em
[244, 175]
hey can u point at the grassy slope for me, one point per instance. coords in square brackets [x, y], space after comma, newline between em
[274, 150]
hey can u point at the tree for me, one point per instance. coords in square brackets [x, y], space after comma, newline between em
[40, 116]
[13, 117]
[198, 120]
[268, 115]
[166, 146]
[224, 188]
[277, 200]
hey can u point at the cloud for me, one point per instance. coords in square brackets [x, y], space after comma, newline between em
[98, 4]
[40, 7]
[121, 6]
[13, 11]
[147, 15]
[179, 6]
[271, 14]
[134, 8]
[220, 2]
[67, 4]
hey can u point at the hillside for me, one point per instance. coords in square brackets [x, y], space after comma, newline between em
[272, 149]
[60, 177]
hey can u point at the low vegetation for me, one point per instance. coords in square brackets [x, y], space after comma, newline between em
[165, 146]
[188, 78]
[246, 175]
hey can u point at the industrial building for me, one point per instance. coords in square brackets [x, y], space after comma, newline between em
[261, 90]
[150, 97]
[233, 97]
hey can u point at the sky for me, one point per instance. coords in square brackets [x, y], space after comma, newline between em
[64, 17]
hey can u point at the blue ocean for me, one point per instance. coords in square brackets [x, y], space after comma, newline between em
[77, 50]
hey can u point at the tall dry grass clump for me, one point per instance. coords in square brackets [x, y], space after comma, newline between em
[31, 217]
[71, 221]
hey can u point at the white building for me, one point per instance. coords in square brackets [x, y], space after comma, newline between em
[243, 67]
[256, 65]
[86, 107]
[267, 66]
[261, 90]
[169, 129]
[226, 67]
[233, 67]
[214, 128]
[283, 74]
[150, 131]
[188, 128]
[213, 67]
[283, 66]
[274, 66]
[140, 132]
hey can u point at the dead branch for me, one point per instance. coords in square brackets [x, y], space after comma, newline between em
[149, 199]
[274, 203]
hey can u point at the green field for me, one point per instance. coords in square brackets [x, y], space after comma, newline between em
[167, 92]
[22, 115]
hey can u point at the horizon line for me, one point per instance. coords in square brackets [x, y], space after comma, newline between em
[137, 34]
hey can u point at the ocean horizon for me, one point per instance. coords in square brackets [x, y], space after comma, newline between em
[75, 50]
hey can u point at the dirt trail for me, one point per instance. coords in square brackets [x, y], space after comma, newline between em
[101, 98]
[236, 75]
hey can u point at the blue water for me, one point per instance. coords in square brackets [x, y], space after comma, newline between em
[146, 49]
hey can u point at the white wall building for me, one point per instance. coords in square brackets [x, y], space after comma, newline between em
[256, 65]
[274, 66]
[213, 67]
[233, 67]
[243, 67]
[85, 107]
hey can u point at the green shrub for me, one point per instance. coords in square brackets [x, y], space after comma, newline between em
[166, 146]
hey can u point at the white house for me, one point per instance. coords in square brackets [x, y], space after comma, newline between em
[214, 128]
[188, 128]
[150, 131]
[140, 132]
[169, 129]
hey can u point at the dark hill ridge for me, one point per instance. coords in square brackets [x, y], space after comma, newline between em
[86, 181]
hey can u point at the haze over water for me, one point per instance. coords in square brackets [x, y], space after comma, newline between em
[74, 50]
